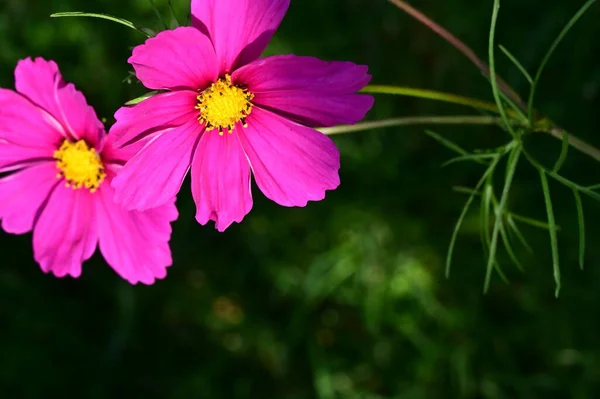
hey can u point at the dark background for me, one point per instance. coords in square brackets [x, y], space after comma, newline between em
[345, 298]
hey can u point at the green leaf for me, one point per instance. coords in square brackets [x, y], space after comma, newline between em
[174, 21]
[158, 14]
[446, 143]
[581, 225]
[464, 212]
[121, 21]
[553, 47]
[553, 239]
[510, 173]
[466, 190]
[563, 153]
[513, 226]
[532, 222]
[479, 158]
[492, 62]
[516, 63]
[508, 247]
[141, 98]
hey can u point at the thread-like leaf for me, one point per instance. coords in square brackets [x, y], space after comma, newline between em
[516, 63]
[563, 153]
[552, 230]
[512, 163]
[141, 98]
[446, 143]
[479, 158]
[581, 225]
[158, 14]
[553, 47]
[121, 21]
[515, 228]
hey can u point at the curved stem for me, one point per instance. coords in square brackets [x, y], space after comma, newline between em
[460, 46]
[414, 120]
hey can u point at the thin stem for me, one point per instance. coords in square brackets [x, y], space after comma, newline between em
[574, 142]
[460, 46]
[414, 120]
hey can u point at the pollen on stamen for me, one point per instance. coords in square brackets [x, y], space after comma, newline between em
[79, 165]
[223, 105]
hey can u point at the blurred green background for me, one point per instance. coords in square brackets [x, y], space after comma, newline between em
[345, 298]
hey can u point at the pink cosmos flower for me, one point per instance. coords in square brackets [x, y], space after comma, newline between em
[60, 163]
[225, 112]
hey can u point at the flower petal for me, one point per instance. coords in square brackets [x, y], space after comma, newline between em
[42, 83]
[23, 193]
[292, 164]
[179, 58]
[155, 174]
[159, 112]
[65, 234]
[221, 180]
[25, 124]
[239, 29]
[135, 244]
[308, 90]
[13, 157]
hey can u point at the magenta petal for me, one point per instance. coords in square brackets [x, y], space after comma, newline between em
[308, 90]
[13, 157]
[155, 174]
[135, 244]
[239, 29]
[159, 112]
[292, 164]
[180, 58]
[25, 124]
[42, 83]
[221, 180]
[23, 193]
[65, 234]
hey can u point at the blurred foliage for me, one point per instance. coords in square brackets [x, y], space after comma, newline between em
[345, 298]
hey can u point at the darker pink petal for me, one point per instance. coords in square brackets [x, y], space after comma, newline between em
[13, 157]
[180, 58]
[135, 244]
[42, 83]
[239, 29]
[155, 174]
[221, 180]
[23, 194]
[65, 234]
[292, 164]
[25, 124]
[308, 90]
[159, 112]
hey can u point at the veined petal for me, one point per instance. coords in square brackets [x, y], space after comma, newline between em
[159, 112]
[221, 180]
[175, 59]
[239, 29]
[135, 244]
[308, 90]
[23, 194]
[41, 82]
[24, 123]
[292, 164]
[155, 174]
[65, 234]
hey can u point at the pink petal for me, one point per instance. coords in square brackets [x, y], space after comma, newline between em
[308, 90]
[65, 234]
[239, 29]
[174, 59]
[221, 180]
[42, 83]
[23, 193]
[25, 124]
[155, 174]
[159, 112]
[135, 244]
[13, 157]
[292, 164]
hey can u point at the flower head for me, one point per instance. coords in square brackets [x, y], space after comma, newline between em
[225, 113]
[58, 164]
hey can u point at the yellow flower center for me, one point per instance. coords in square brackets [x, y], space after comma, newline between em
[79, 165]
[223, 105]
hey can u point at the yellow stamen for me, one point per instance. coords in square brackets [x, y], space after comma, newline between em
[223, 105]
[79, 165]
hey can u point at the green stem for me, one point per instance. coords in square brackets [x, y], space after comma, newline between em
[437, 96]
[414, 120]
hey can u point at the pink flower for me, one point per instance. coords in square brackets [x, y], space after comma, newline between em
[61, 163]
[225, 112]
